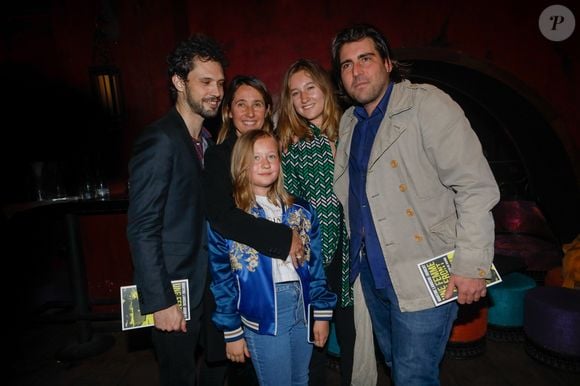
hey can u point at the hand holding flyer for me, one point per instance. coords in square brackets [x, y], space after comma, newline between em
[436, 273]
[131, 316]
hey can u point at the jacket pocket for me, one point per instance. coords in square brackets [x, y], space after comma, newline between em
[445, 230]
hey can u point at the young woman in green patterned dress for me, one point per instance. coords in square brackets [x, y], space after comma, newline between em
[308, 130]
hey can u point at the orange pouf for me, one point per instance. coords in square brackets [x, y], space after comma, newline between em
[467, 337]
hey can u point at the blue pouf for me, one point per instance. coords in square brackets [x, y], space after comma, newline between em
[506, 312]
[551, 321]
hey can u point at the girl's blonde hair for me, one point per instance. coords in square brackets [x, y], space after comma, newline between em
[242, 162]
[290, 124]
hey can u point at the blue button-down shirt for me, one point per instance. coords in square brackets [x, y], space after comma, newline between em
[362, 229]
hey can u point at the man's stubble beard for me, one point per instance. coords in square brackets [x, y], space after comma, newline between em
[197, 107]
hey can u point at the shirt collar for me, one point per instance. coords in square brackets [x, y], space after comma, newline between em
[205, 133]
[204, 137]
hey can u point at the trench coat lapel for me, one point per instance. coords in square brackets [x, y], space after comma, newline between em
[390, 129]
[386, 135]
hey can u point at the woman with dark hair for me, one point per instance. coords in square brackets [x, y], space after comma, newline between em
[247, 105]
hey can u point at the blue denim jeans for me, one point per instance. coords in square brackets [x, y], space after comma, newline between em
[413, 343]
[283, 360]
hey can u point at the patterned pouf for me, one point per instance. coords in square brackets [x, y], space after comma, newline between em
[552, 326]
[505, 317]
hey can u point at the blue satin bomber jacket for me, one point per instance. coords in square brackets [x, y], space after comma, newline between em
[242, 282]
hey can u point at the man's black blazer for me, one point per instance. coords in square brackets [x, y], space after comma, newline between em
[166, 221]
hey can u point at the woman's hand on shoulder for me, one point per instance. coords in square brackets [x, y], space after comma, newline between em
[296, 249]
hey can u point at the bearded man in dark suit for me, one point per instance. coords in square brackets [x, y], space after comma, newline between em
[166, 220]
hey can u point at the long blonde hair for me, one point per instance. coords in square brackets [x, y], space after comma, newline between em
[227, 125]
[242, 160]
[290, 124]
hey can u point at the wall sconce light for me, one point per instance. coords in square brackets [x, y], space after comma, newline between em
[106, 84]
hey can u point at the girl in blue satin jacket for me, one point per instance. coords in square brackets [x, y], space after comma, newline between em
[269, 310]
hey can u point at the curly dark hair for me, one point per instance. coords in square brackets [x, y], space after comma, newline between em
[181, 60]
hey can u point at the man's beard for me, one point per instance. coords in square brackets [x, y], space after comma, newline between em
[197, 107]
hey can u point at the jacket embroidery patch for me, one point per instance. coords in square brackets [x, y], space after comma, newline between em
[245, 253]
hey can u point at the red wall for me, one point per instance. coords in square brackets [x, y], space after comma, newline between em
[264, 37]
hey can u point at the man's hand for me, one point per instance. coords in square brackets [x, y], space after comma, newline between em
[468, 290]
[296, 249]
[321, 329]
[170, 319]
[237, 351]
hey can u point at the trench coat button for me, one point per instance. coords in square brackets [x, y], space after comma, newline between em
[418, 237]
[403, 187]
[394, 163]
[410, 212]
[481, 272]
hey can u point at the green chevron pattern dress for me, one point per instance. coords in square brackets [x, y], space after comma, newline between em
[308, 168]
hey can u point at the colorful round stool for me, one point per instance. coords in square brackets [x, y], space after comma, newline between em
[551, 326]
[505, 317]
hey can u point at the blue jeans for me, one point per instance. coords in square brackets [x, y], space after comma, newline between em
[413, 343]
[283, 360]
